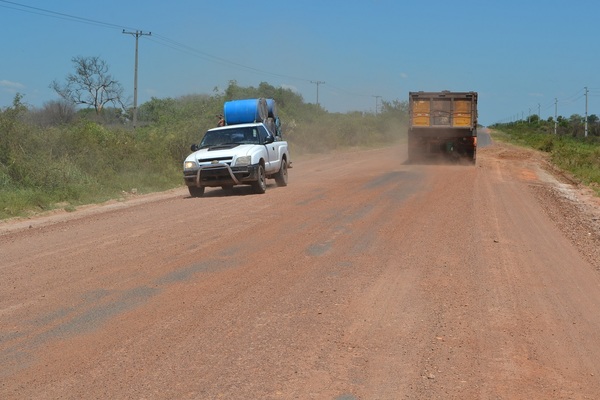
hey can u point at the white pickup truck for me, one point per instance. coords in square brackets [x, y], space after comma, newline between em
[237, 154]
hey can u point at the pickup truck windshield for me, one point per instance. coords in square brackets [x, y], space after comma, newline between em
[247, 135]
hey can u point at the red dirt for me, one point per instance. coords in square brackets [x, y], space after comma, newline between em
[365, 278]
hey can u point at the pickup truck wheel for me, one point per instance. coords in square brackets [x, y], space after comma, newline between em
[260, 186]
[196, 191]
[282, 176]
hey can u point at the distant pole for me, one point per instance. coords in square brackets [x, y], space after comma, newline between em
[539, 113]
[586, 111]
[317, 83]
[137, 35]
[555, 114]
[376, 106]
[529, 115]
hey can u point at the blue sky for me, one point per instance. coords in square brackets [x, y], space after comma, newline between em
[519, 55]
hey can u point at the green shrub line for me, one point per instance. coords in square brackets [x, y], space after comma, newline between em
[89, 159]
[580, 156]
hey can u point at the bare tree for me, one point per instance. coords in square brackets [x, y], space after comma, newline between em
[90, 85]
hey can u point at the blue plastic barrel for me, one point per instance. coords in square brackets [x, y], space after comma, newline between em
[245, 111]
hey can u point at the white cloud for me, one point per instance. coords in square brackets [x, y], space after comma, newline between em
[290, 87]
[11, 85]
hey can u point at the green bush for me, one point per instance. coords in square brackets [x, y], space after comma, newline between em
[94, 158]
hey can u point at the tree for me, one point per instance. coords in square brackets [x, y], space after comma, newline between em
[11, 132]
[395, 107]
[90, 85]
[54, 112]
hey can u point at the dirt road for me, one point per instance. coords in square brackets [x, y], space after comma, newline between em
[365, 278]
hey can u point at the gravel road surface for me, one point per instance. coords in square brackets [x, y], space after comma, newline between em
[365, 278]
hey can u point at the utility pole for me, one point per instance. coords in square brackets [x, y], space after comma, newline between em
[317, 83]
[555, 114]
[586, 111]
[539, 113]
[376, 107]
[137, 35]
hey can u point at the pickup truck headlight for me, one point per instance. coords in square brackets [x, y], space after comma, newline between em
[242, 161]
[189, 165]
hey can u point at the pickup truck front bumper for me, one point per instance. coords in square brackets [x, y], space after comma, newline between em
[220, 174]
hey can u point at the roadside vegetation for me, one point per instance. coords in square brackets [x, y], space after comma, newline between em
[59, 156]
[569, 148]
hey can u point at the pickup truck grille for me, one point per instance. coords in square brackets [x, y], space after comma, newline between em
[226, 160]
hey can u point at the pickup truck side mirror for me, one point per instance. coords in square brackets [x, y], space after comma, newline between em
[194, 147]
[269, 139]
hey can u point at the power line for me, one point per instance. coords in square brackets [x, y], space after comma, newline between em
[54, 14]
[570, 98]
[167, 42]
[582, 93]
[343, 91]
[162, 40]
[209, 57]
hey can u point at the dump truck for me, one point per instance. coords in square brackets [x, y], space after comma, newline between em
[442, 124]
